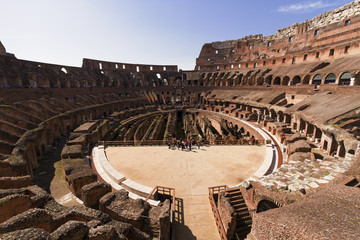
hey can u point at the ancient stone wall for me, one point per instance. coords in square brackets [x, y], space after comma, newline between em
[325, 37]
[2, 49]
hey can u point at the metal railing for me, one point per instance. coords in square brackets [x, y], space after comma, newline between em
[219, 224]
[165, 142]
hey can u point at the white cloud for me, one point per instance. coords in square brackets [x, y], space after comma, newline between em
[304, 7]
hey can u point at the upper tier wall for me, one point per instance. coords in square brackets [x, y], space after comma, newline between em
[105, 65]
[2, 49]
[327, 36]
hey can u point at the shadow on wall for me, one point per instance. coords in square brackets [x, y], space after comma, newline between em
[180, 230]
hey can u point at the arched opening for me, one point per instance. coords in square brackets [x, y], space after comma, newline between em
[238, 80]
[260, 81]
[296, 80]
[265, 205]
[317, 79]
[351, 151]
[330, 78]
[196, 83]
[285, 81]
[345, 78]
[268, 80]
[276, 81]
[64, 70]
[306, 79]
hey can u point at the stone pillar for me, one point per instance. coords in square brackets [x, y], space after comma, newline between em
[352, 81]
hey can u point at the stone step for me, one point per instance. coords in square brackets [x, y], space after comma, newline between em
[237, 201]
[241, 208]
[243, 231]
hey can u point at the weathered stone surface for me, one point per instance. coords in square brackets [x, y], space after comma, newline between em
[36, 218]
[91, 193]
[103, 233]
[122, 208]
[298, 146]
[29, 233]
[227, 215]
[77, 174]
[322, 215]
[294, 137]
[72, 230]
[301, 156]
[160, 219]
[13, 205]
[72, 151]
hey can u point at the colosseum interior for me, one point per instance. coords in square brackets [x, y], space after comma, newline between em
[293, 98]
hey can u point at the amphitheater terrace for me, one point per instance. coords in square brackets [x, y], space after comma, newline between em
[98, 151]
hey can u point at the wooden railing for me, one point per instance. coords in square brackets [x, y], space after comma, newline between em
[219, 224]
[241, 141]
[164, 191]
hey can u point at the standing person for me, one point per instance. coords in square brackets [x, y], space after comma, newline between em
[182, 145]
[198, 143]
[190, 145]
[168, 143]
[186, 144]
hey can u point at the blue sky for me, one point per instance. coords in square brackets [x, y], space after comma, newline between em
[141, 31]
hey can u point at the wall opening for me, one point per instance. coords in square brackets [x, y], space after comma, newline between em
[317, 79]
[276, 81]
[345, 78]
[330, 78]
[296, 80]
[64, 70]
[346, 50]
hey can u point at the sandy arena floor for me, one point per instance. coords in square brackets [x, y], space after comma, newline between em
[190, 173]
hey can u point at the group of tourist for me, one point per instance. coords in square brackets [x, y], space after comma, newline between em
[184, 144]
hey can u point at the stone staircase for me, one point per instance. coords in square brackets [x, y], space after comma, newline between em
[155, 231]
[243, 218]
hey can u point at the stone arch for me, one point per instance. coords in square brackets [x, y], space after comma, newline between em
[276, 81]
[306, 79]
[268, 79]
[260, 81]
[54, 83]
[345, 78]
[330, 78]
[296, 80]
[285, 81]
[317, 79]
[239, 79]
